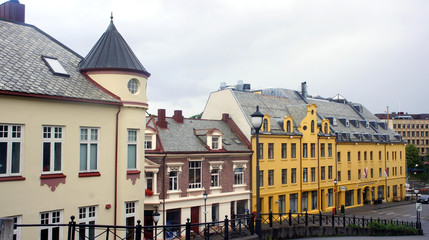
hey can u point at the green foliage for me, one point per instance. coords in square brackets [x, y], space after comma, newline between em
[353, 226]
[398, 229]
[412, 156]
[197, 116]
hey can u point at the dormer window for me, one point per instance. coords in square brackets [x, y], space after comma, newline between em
[150, 140]
[347, 123]
[334, 122]
[288, 127]
[55, 66]
[214, 139]
[265, 125]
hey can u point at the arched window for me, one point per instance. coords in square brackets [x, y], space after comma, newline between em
[312, 126]
[288, 126]
[265, 127]
[326, 128]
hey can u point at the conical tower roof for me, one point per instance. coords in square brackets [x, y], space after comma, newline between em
[111, 52]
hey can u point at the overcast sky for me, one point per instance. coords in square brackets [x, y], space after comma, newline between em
[372, 52]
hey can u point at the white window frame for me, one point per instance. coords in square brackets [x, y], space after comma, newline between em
[214, 140]
[174, 167]
[150, 137]
[13, 134]
[195, 184]
[214, 177]
[16, 230]
[52, 135]
[174, 180]
[88, 142]
[88, 216]
[132, 140]
[152, 178]
[239, 164]
[51, 217]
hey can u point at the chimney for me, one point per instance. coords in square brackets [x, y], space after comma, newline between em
[178, 117]
[225, 117]
[13, 11]
[304, 89]
[162, 123]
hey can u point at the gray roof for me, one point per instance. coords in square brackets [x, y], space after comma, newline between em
[22, 69]
[112, 52]
[351, 118]
[181, 137]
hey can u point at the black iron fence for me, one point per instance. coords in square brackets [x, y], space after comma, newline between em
[238, 226]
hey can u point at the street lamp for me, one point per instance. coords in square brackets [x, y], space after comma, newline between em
[206, 235]
[257, 118]
[416, 191]
[156, 216]
[335, 183]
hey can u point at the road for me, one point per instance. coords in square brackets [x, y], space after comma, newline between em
[404, 212]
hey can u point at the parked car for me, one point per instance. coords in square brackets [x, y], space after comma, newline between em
[423, 199]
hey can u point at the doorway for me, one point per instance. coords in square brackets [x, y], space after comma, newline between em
[195, 218]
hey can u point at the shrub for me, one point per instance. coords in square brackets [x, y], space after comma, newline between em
[398, 229]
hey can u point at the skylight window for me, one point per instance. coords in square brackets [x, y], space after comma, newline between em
[55, 66]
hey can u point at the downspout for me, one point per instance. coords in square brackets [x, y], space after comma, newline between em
[301, 173]
[318, 174]
[116, 169]
[337, 196]
[163, 188]
[385, 166]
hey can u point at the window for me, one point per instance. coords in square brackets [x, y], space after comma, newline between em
[304, 175]
[313, 174]
[329, 172]
[132, 149]
[329, 149]
[133, 86]
[195, 174]
[288, 128]
[293, 176]
[284, 150]
[364, 155]
[215, 178]
[284, 176]
[338, 156]
[304, 150]
[348, 156]
[395, 190]
[359, 174]
[372, 173]
[16, 230]
[270, 150]
[304, 202]
[387, 155]
[130, 219]
[379, 172]
[312, 126]
[261, 178]
[349, 175]
[215, 143]
[294, 202]
[313, 200]
[313, 150]
[149, 180]
[379, 155]
[55, 66]
[261, 150]
[330, 197]
[173, 181]
[11, 140]
[52, 149]
[88, 149]
[326, 128]
[87, 216]
[359, 156]
[270, 177]
[238, 176]
[265, 125]
[358, 196]
[370, 155]
[282, 204]
[322, 173]
[51, 232]
[322, 150]
[339, 176]
[148, 142]
[293, 150]
[349, 198]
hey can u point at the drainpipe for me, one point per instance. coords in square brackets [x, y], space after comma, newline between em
[163, 188]
[318, 174]
[301, 173]
[116, 169]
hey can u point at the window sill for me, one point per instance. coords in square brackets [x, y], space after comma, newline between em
[130, 172]
[216, 188]
[238, 185]
[89, 174]
[12, 178]
[52, 176]
[195, 190]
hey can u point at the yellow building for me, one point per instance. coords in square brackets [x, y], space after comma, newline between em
[306, 143]
[71, 131]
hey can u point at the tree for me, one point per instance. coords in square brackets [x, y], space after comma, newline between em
[197, 116]
[412, 156]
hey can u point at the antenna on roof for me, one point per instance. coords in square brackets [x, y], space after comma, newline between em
[111, 16]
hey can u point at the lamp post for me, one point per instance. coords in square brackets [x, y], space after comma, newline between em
[416, 191]
[256, 124]
[155, 216]
[206, 235]
[335, 204]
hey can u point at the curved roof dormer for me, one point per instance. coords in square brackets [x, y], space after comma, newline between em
[111, 52]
